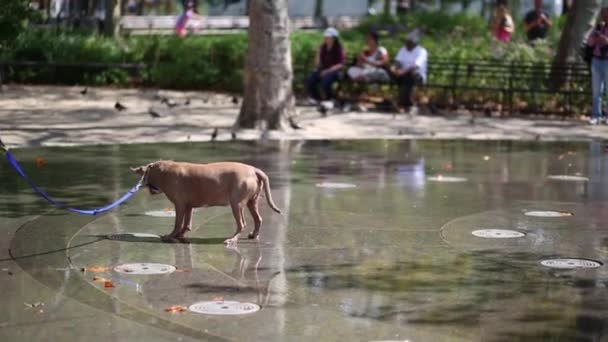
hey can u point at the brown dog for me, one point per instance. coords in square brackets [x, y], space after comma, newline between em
[191, 186]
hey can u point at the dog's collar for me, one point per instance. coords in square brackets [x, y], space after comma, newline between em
[152, 187]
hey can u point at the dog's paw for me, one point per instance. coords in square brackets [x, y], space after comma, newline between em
[169, 238]
[252, 236]
[232, 241]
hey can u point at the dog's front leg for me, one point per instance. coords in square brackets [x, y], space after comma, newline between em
[187, 226]
[179, 221]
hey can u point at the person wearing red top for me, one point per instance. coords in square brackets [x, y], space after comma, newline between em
[329, 62]
[598, 40]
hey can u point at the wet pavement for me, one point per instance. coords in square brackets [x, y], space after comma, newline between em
[375, 243]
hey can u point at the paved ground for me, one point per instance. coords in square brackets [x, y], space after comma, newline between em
[375, 243]
[51, 116]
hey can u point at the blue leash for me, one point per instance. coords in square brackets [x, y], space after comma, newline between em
[120, 201]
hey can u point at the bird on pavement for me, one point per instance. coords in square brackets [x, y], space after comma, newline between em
[235, 100]
[119, 107]
[84, 91]
[153, 113]
[169, 102]
[293, 123]
[214, 134]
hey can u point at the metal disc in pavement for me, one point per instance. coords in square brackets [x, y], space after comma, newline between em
[548, 213]
[144, 268]
[224, 308]
[497, 233]
[571, 263]
[334, 185]
[568, 178]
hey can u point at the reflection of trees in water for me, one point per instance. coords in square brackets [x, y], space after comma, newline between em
[463, 291]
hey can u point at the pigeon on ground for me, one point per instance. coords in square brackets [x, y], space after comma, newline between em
[170, 103]
[84, 91]
[214, 134]
[293, 123]
[154, 114]
[119, 107]
[235, 100]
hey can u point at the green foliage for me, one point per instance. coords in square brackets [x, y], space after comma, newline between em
[216, 62]
[13, 16]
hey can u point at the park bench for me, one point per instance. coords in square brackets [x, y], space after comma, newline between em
[515, 87]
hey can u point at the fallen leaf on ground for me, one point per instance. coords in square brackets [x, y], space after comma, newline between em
[40, 162]
[99, 279]
[176, 309]
[108, 284]
[97, 269]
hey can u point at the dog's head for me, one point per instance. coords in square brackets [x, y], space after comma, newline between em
[149, 177]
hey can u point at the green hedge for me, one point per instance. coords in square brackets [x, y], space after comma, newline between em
[216, 62]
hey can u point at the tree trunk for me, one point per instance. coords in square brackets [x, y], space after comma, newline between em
[387, 7]
[112, 20]
[581, 19]
[268, 75]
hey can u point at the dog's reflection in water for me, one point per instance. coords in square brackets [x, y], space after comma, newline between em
[202, 277]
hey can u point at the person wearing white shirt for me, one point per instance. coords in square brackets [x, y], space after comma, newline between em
[410, 69]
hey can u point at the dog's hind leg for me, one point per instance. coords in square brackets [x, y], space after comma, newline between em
[257, 218]
[237, 212]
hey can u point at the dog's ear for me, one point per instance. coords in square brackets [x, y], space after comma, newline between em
[139, 170]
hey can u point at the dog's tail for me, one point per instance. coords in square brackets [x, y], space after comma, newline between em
[266, 185]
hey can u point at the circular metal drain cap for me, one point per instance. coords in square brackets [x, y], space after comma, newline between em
[144, 268]
[330, 185]
[224, 308]
[571, 263]
[497, 233]
[568, 178]
[446, 179]
[161, 213]
[549, 213]
[134, 237]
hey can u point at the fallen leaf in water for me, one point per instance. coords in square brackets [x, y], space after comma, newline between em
[40, 162]
[97, 269]
[176, 309]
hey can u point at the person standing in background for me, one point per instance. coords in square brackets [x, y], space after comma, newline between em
[502, 25]
[598, 40]
[537, 22]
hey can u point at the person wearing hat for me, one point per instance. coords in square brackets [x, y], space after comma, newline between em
[409, 69]
[329, 61]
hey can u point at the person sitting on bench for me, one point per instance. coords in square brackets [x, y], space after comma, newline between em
[410, 69]
[371, 63]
